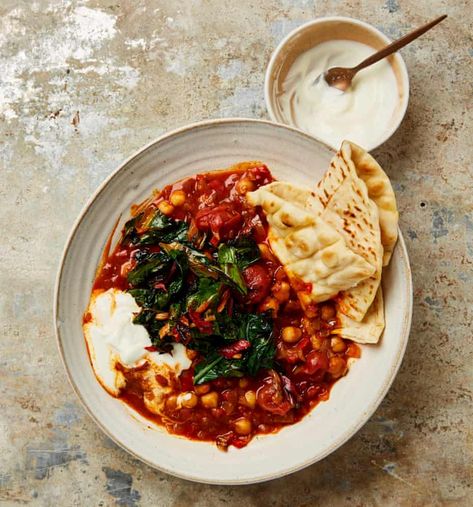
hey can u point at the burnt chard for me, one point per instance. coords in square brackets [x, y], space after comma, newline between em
[151, 299]
[159, 228]
[236, 256]
[150, 266]
[180, 290]
[253, 328]
[202, 266]
[157, 281]
[207, 293]
[247, 251]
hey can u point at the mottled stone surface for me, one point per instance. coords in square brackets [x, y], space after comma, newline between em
[85, 83]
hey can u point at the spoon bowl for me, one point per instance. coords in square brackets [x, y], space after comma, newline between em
[341, 77]
[325, 29]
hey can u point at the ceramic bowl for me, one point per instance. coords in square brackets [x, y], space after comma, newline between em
[293, 156]
[324, 29]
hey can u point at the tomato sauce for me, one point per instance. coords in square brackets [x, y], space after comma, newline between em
[230, 411]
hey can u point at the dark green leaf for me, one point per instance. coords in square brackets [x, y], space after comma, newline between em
[154, 237]
[160, 228]
[227, 258]
[257, 329]
[227, 327]
[207, 290]
[203, 343]
[247, 252]
[151, 266]
[147, 318]
[156, 299]
[160, 221]
[175, 311]
[216, 366]
[180, 267]
[261, 355]
[201, 265]
[227, 254]
[129, 230]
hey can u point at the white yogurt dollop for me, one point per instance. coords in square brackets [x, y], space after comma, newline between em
[113, 338]
[361, 114]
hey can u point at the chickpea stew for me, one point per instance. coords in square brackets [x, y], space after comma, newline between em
[197, 267]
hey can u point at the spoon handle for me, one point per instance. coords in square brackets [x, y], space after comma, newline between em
[398, 44]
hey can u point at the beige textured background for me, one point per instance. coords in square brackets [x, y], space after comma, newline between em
[85, 83]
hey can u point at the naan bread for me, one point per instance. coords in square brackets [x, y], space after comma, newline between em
[310, 249]
[352, 160]
[369, 330]
[302, 196]
[346, 191]
[355, 216]
[380, 191]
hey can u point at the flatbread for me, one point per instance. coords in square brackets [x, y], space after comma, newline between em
[310, 249]
[348, 192]
[352, 213]
[302, 196]
[380, 191]
[351, 160]
[370, 329]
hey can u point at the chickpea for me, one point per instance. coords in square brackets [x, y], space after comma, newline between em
[243, 382]
[291, 334]
[245, 185]
[171, 402]
[165, 207]
[202, 389]
[188, 400]
[310, 309]
[250, 399]
[243, 426]
[337, 366]
[281, 291]
[178, 198]
[270, 304]
[327, 312]
[210, 400]
[337, 344]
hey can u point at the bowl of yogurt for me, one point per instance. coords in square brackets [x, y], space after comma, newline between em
[368, 113]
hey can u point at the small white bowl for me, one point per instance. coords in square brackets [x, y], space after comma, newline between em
[292, 156]
[324, 29]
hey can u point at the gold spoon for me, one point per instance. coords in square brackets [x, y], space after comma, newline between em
[341, 77]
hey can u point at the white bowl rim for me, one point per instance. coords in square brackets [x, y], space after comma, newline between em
[263, 478]
[321, 20]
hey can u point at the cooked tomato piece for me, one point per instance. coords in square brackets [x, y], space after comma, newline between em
[271, 397]
[315, 360]
[222, 221]
[258, 281]
[204, 326]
